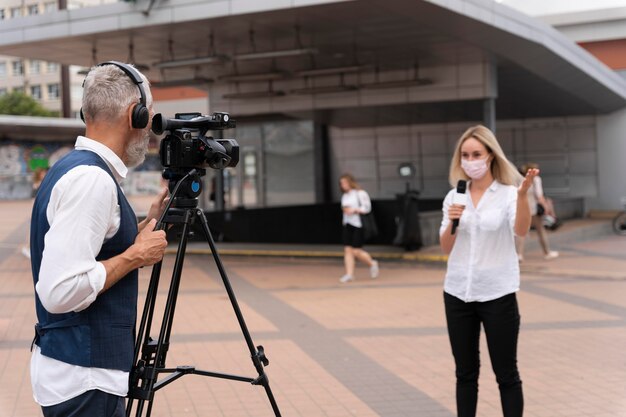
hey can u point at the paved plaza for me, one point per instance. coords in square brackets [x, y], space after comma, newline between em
[368, 348]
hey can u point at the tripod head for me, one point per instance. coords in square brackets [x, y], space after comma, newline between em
[185, 185]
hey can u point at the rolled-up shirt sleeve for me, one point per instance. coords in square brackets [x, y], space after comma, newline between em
[83, 213]
[445, 220]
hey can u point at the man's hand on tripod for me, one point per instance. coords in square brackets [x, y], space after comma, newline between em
[147, 250]
[156, 208]
[150, 244]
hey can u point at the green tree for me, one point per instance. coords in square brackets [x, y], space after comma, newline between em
[19, 104]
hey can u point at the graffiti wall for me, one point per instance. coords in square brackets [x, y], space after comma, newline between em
[20, 160]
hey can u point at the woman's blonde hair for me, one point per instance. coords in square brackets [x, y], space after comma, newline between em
[351, 181]
[502, 169]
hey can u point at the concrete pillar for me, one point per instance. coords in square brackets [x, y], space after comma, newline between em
[321, 164]
[489, 113]
[491, 90]
[66, 97]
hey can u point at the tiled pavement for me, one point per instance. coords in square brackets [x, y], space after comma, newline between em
[369, 348]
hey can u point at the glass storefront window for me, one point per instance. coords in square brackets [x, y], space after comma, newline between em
[288, 162]
[275, 166]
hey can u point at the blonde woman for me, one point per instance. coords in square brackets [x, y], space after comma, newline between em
[483, 271]
[354, 202]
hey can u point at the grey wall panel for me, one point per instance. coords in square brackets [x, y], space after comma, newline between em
[584, 162]
[582, 137]
[355, 148]
[542, 139]
[557, 145]
[434, 143]
[583, 186]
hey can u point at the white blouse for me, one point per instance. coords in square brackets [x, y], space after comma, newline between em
[483, 264]
[356, 199]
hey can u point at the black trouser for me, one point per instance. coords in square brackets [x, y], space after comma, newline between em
[501, 321]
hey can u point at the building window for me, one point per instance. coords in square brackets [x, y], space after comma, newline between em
[34, 67]
[18, 68]
[35, 92]
[2, 15]
[3, 69]
[52, 67]
[16, 12]
[18, 90]
[50, 6]
[53, 91]
[33, 9]
[3, 91]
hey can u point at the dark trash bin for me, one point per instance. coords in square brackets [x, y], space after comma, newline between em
[408, 232]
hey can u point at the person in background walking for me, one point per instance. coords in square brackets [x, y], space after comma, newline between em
[539, 206]
[483, 272]
[354, 202]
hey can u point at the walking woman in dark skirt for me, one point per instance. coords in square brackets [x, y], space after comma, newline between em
[354, 202]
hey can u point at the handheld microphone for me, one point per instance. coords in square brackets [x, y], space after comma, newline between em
[459, 198]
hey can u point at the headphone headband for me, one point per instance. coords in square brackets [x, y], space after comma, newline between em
[132, 74]
[141, 114]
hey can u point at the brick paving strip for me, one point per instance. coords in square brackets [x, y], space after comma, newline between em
[353, 369]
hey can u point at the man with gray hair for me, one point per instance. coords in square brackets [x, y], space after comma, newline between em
[86, 247]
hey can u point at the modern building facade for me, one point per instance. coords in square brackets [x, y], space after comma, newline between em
[322, 87]
[603, 33]
[39, 79]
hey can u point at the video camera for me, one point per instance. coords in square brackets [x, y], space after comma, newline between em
[186, 148]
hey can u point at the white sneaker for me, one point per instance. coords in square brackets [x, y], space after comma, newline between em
[26, 252]
[374, 270]
[346, 278]
[551, 255]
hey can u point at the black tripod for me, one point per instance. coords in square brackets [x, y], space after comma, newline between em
[144, 380]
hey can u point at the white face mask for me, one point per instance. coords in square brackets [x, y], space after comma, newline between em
[475, 169]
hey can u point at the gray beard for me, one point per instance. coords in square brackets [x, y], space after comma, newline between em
[136, 150]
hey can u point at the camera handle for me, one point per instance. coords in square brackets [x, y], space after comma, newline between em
[144, 374]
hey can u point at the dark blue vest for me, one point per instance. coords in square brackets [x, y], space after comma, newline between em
[102, 335]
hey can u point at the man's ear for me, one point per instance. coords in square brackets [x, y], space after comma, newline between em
[129, 116]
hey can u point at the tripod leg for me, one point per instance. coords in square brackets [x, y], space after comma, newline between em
[143, 333]
[258, 356]
[154, 355]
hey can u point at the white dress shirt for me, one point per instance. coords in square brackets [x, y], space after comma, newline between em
[483, 264]
[83, 213]
[356, 199]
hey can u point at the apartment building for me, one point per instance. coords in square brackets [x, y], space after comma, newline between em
[39, 79]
